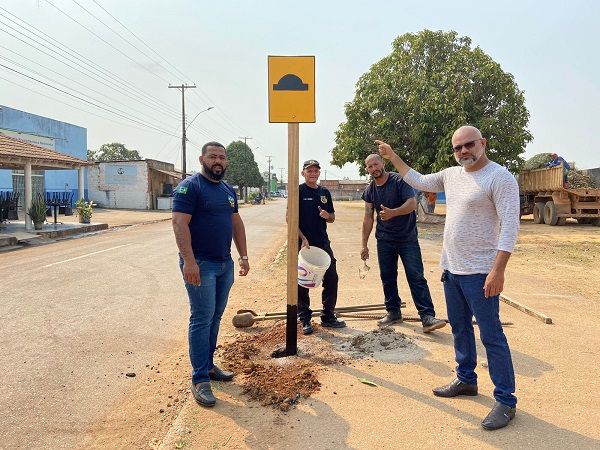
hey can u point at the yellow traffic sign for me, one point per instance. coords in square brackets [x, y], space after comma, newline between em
[291, 89]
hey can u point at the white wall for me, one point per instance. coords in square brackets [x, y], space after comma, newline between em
[119, 185]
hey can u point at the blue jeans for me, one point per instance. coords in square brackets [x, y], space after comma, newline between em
[410, 254]
[207, 304]
[465, 299]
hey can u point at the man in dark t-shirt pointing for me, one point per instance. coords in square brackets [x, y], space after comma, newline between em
[394, 202]
[315, 212]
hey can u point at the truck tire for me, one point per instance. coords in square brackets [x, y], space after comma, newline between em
[538, 212]
[561, 221]
[550, 215]
[584, 220]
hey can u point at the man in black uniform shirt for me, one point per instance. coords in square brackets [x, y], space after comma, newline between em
[316, 210]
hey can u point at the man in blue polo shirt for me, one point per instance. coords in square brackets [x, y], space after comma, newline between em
[205, 219]
[315, 212]
[396, 234]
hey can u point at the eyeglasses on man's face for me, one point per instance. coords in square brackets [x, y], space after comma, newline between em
[468, 145]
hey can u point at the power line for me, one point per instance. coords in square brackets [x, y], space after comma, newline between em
[86, 64]
[139, 39]
[70, 79]
[122, 37]
[75, 107]
[105, 41]
[219, 113]
[84, 100]
[64, 86]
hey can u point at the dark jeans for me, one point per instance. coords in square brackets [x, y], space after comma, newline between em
[410, 254]
[207, 304]
[465, 299]
[328, 296]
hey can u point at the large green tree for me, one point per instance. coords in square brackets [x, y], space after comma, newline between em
[113, 152]
[242, 169]
[428, 86]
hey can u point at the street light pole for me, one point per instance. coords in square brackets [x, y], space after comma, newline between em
[196, 116]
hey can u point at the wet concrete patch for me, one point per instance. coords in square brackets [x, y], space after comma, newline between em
[384, 344]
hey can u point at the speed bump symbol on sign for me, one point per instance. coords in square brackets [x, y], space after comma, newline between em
[290, 82]
[291, 89]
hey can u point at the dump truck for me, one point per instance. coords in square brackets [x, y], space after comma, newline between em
[543, 194]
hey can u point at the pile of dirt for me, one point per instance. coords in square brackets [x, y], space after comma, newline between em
[579, 180]
[537, 161]
[384, 344]
[280, 382]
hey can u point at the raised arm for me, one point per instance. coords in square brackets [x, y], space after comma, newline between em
[430, 183]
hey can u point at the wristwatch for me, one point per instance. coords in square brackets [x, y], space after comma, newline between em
[243, 258]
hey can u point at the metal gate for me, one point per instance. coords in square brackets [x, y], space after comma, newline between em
[37, 184]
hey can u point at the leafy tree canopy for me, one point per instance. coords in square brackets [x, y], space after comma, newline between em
[416, 97]
[242, 169]
[113, 152]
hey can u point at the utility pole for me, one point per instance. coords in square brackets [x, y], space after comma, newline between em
[245, 138]
[281, 169]
[269, 182]
[183, 87]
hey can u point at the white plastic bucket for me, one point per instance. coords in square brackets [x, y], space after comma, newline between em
[313, 262]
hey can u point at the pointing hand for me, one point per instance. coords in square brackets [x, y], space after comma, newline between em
[385, 150]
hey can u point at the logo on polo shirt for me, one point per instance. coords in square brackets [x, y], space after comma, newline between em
[323, 199]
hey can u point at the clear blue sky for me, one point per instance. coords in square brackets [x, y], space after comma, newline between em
[550, 47]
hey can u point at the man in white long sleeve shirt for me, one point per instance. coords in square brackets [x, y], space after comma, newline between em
[482, 222]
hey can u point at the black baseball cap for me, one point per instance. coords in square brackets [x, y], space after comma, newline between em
[311, 162]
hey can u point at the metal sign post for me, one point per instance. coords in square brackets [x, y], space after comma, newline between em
[292, 101]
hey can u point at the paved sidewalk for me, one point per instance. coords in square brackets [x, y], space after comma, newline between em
[14, 232]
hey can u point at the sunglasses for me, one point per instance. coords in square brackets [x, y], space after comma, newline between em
[468, 145]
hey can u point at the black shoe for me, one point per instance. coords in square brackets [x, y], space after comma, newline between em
[203, 394]
[499, 417]
[389, 319]
[307, 328]
[333, 323]
[456, 387]
[430, 323]
[218, 374]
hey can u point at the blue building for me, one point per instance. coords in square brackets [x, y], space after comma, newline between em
[48, 133]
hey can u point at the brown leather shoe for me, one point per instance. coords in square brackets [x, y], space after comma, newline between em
[455, 388]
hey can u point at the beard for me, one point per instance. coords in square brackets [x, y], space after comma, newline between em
[467, 161]
[208, 171]
[377, 173]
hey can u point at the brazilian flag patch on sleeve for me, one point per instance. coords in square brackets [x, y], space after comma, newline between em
[182, 190]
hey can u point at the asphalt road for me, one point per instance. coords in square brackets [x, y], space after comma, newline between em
[76, 315]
